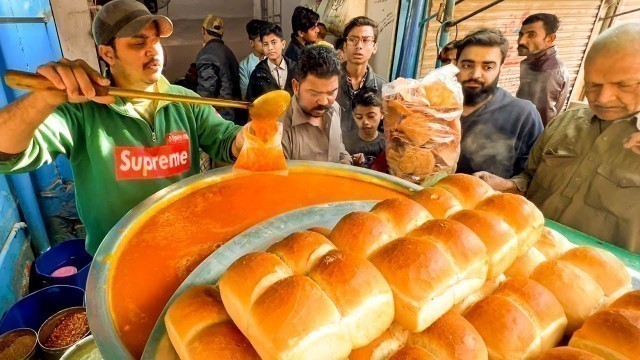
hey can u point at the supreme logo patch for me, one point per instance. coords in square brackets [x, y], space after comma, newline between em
[174, 158]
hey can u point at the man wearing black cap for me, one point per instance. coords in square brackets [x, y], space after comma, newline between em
[218, 69]
[121, 150]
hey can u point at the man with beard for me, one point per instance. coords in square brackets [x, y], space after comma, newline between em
[312, 122]
[543, 77]
[584, 170]
[498, 130]
[121, 150]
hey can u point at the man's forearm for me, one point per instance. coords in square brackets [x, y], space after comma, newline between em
[20, 119]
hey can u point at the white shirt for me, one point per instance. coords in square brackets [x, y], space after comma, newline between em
[279, 72]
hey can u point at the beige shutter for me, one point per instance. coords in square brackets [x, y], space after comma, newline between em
[627, 5]
[577, 18]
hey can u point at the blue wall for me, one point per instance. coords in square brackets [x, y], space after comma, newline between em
[25, 46]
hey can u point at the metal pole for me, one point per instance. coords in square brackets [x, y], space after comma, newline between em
[31, 211]
[444, 28]
[416, 59]
[410, 47]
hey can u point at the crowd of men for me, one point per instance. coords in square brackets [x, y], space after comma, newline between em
[580, 167]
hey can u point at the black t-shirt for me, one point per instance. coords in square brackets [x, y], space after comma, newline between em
[355, 145]
[498, 137]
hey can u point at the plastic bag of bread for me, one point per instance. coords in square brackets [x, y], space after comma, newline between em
[422, 125]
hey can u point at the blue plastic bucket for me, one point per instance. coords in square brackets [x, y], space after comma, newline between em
[32, 310]
[68, 254]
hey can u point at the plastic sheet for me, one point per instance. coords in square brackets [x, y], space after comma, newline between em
[422, 125]
[262, 150]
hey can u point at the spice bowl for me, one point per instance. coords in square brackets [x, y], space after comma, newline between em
[62, 330]
[18, 344]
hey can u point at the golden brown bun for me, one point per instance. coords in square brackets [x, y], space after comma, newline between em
[567, 353]
[200, 328]
[222, 341]
[578, 293]
[584, 279]
[422, 270]
[294, 317]
[525, 264]
[402, 214]
[383, 346]
[360, 293]
[606, 269]
[552, 244]
[469, 190]
[438, 201]
[303, 294]
[549, 246]
[301, 250]
[501, 241]
[611, 334]
[321, 230]
[628, 301]
[487, 289]
[520, 320]
[523, 217]
[245, 280]
[451, 337]
[362, 233]
[411, 352]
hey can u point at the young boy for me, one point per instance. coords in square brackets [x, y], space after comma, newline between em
[248, 64]
[275, 72]
[367, 114]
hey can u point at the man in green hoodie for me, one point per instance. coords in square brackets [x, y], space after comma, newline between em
[121, 150]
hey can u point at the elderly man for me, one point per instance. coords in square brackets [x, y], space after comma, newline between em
[580, 173]
[312, 122]
[121, 150]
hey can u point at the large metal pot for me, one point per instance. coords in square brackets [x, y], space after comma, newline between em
[134, 274]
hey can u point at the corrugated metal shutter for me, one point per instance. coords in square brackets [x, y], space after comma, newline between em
[627, 5]
[577, 18]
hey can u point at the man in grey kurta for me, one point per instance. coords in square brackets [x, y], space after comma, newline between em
[311, 125]
[580, 172]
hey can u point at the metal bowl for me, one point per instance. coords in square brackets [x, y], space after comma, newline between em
[47, 328]
[9, 338]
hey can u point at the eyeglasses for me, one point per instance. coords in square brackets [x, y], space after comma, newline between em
[366, 40]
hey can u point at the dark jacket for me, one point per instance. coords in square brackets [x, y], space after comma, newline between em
[294, 49]
[262, 81]
[344, 99]
[498, 136]
[544, 82]
[219, 77]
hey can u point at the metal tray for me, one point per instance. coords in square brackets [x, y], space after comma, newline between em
[263, 235]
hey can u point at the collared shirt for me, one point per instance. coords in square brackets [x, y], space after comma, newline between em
[345, 97]
[544, 81]
[246, 68]
[580, 175]
[304, 141]
[279, 72]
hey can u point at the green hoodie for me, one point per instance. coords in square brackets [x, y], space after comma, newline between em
[118, 159]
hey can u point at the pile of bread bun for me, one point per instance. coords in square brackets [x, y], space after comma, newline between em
[457, 271]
